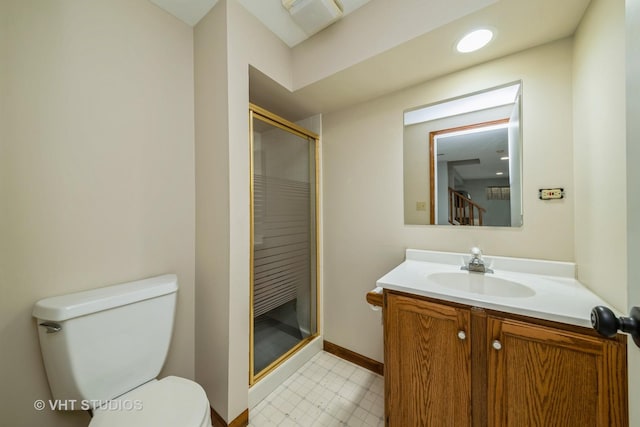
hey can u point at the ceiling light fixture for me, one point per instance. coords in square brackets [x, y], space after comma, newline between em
[504, 158]
[499, 173]
[474, 40]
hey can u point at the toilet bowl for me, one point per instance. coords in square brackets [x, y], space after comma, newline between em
[104, 349]
[170, 402]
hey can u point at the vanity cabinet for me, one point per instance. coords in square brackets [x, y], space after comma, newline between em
[427, 363]
[544, 376]
[448, 364]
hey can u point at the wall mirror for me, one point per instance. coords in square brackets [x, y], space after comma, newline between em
[463, 160]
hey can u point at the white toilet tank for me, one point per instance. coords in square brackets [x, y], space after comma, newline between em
[99, 344]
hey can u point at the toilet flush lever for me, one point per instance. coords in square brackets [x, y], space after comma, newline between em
[52, 327]
[607, 324]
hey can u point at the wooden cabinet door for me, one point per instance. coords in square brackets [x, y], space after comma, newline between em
[543, 377]
[427, 364]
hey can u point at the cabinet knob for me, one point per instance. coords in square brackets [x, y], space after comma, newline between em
[496, 344]
[462, 335]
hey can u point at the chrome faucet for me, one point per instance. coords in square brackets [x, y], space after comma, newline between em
[476, 264]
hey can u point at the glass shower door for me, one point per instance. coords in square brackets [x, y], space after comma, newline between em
[284, 240]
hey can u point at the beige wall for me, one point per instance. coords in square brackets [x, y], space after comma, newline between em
[212, 207]
[599, 151]
[97, 175]
[364, 233]
[250, 43]
[222, 130]
[96, 169]
[633, 190]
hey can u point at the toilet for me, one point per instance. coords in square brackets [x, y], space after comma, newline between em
[104, 348]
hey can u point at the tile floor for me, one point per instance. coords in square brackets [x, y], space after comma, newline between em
[326, 391]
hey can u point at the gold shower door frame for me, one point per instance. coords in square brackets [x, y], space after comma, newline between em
[258, 113]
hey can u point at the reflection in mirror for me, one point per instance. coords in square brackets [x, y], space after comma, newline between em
[462, 160]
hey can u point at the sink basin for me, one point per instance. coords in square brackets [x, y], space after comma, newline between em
[484, 284]
[534, 288]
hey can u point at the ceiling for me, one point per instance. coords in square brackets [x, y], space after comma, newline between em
[270, 12]
[279, 21]
[188, 11]
[396, 64]
[519, 25]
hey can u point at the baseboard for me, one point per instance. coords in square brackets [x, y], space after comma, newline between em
[353, 357]
[241, 420]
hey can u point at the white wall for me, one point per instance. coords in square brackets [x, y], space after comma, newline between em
[96, 172]
[599, 151]
[364, 234]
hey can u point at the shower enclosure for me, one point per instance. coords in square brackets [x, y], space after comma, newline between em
[284, 297]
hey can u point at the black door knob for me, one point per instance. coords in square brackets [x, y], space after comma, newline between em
[607, 324]
[604, 321]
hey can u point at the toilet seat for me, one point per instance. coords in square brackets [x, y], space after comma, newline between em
[169, 402]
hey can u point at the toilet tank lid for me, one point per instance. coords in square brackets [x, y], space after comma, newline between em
[65, 307]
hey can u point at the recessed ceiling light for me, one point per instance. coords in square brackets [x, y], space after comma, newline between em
[474, 40]
[499, 173]
[504, 158]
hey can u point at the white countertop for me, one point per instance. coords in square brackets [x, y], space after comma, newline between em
[558, 295]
